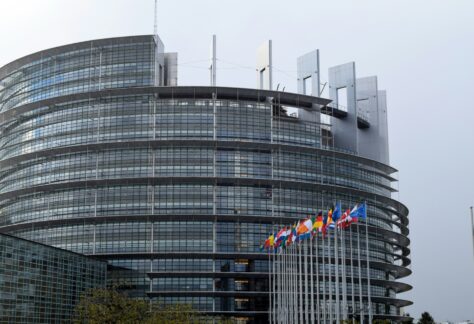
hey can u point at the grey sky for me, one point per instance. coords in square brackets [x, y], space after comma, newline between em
[422, 52]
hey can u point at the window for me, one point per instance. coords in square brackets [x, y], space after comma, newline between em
[308, 87]
[342, 97]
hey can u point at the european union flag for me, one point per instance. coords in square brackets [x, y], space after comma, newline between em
[336, 214]
[359, 211]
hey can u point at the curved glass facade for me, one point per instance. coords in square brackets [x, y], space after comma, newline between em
[176, 188]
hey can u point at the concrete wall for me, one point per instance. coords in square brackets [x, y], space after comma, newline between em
[345, 130]
[367, 101]
[307, 68]
[373, 141]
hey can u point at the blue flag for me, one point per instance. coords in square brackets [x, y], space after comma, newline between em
[336, 214]
[359, 211]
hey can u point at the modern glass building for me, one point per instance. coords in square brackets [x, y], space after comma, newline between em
[101, 153]
[42, 284]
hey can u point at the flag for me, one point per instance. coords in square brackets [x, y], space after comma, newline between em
[359, 211]
[303, 229]
[336, 214]
[346, 220]
[327, 222]
[305, 226]
[292, 236]
[269, 241]
[330, 222]
[287, 234]
[318, 223]
[280, 237]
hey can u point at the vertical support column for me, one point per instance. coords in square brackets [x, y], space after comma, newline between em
[214, 192]
[307, 70]
[383, 126]
[265, 66]
[345, 130]
[368, 107]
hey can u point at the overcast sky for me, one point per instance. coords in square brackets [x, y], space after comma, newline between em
[422, 52]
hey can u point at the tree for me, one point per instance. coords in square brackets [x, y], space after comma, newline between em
[108, 306]
[426, 319]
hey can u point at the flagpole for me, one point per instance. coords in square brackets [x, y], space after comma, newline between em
[277, 287]
[311, 275]
[288, 280]
[318, 307]
[352, 275]
[369, 294]
[328, 279]
[293, 284]
[280, 289]
[323, 258]
[300, 277]
[285, 288]
[332, 284]
[361, 308]
[331, 299]
[275, 282]
[269, 288]
[336, 271]
[344, 276]
[306, 285]
[293, 273]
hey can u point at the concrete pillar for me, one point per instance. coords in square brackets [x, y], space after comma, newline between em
[264, 66]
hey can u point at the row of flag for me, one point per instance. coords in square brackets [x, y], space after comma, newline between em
[308, 227]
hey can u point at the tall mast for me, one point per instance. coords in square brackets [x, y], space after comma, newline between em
[155, 27]
[472, 221]
[213, 67]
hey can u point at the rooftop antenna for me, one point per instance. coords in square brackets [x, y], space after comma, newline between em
[213, 67]
[155, 27]
[472, 221]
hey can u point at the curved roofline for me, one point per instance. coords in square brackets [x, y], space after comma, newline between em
[18, 63]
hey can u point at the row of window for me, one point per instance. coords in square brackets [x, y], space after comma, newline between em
[85, 68]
